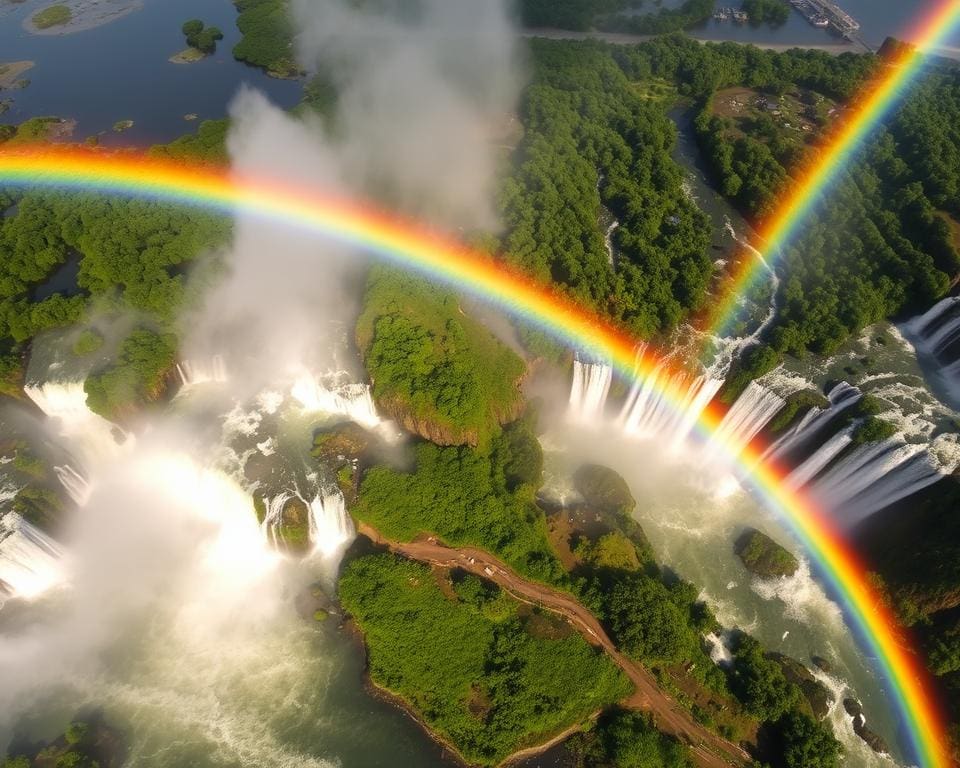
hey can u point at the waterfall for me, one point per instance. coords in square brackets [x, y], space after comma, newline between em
[936, 334]
[328, 395]
[29, 559]
[194, 372]
[75, 484]
[841, 397]
[608, 244]
[589, 390]
[819, 459]
[330, 526]
[753, 409]
[273, 516]
[665, 405]
[89, 437]
[874, 476]
[646, 412]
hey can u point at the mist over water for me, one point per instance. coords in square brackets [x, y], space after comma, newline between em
[164, 601]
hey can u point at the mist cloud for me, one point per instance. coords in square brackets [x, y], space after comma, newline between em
[421, 96]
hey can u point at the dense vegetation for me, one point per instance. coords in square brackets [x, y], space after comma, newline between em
[133, 256]
[52, 16]
[207, 145]
[434, 369]
[920, 574]
[665, 20]
[484, 676]
[201, 37]
[137, 376]
[468, 496]
[592, 140]
[877, 246]
[567, 14]
[627, 740]
[772, 12]
[763, 557]
[267, 40]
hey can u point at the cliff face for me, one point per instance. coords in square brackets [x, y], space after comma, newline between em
[438, 430]
[914, 545]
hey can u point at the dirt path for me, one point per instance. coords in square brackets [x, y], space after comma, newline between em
[707, 748]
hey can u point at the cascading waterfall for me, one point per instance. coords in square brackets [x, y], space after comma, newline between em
[646, 412]
[841, 397]
[749, 414]
[194, 372]
[89, 437]
[936, 333]
[589, 391]
[855, 483]
[608, 244]
[874, 476]
[815, 463]
[330, 527]
[29, 559]
[329, 394]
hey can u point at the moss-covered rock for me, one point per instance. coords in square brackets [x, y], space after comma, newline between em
[763, 557]
[604, 490]
[855, 709]
[814, 692]
[342, 444]
[293, 532]
[797, 404]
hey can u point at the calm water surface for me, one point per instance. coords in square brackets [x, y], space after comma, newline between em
[120, 71]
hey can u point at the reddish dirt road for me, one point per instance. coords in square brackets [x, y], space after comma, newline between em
[706, 748]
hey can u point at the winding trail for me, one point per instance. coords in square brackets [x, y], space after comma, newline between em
[707, 749]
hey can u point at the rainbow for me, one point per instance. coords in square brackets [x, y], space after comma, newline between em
[810, 183]
[443, 260]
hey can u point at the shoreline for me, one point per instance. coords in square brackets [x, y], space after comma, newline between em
[86, 14]
[626, 38]
[188, 56]
[10, 72]
[450, 752]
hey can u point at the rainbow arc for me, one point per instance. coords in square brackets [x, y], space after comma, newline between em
[438, 258]
[441, 259]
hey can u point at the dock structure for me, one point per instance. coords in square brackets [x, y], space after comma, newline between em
[823, 13]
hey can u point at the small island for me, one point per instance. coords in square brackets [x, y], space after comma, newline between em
[10, 73]
[52, 16]
[201, 42]
[763, 557]
[78, 15]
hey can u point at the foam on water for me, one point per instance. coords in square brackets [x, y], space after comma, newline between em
[803, 598]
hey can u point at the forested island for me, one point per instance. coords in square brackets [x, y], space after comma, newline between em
[487, 672]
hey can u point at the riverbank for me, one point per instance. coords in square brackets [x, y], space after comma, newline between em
[623, 38]
[84, 15]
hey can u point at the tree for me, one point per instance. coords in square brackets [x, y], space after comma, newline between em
[802, 742]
